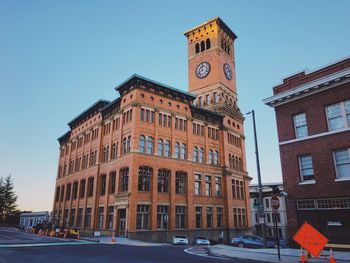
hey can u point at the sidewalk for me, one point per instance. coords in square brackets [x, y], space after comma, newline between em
[121, 241]
[288, 255]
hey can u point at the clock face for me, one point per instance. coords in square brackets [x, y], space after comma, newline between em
[228, 71]
[203, 70]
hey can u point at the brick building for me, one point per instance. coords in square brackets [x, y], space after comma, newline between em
[313, 122]
[158, 160]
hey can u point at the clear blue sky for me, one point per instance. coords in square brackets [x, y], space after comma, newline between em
[59, 57]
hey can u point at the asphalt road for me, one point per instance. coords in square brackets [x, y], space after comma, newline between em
[20, 247]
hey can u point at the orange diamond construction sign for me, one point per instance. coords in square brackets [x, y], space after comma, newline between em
[310, 239]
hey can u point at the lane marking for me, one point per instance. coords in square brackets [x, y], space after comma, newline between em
[49, 244]
[202, 252]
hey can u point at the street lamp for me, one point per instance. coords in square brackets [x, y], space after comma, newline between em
[261, 203]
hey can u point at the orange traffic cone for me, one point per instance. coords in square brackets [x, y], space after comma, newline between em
[302, 256]
[113, 238]
[331, 256]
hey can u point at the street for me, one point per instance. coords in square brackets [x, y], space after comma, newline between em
[16, 246]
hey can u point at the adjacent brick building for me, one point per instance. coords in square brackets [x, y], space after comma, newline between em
[158, 160]
[313, 122]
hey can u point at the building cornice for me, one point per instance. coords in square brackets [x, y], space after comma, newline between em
[312, 87]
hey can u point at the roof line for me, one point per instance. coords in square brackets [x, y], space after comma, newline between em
[85, 111]
[156, 83]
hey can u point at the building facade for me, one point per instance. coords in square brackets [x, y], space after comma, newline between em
[31, 219]
[267, 190]
[157, 160]
[313, 122]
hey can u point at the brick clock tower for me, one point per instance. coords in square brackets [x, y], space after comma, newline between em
[211, 64]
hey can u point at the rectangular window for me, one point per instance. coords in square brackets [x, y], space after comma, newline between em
[68, 191]
[219, 217]
[80, 217]
[112, 180]
[300, 125]
[142, 114]
[180, 217]
[267, 202]
[198, 217]
[72, 217]
[142, 218]
[218, 186]
[100, 217]
[209, 212]
[162, 216]
[110, 217]
[75, 190]
[268, 217]
[306, 168]
[87, 217]
[338, 115]
[197, 184]
[342, 163]
[208, 185]
[82, 188]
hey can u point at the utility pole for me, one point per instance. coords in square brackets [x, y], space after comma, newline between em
[261, 203]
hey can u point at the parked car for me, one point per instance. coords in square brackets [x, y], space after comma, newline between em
[180, 240]
[201, 241]
[282, 242]
[250, 241]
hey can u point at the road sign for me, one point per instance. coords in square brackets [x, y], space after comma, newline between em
[310, 239]
[261, 220]
[275, 203]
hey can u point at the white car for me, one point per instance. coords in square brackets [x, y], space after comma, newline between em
[201, 241]
[180, 240]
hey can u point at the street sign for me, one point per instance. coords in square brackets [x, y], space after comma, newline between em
[275, 203]
[261, 220]
[310, 239]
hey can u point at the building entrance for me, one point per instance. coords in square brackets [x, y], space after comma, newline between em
[121, 222]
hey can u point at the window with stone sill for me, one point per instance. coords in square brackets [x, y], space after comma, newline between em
[342, 163]
[300, 125]
[306, 168]
[338, 115]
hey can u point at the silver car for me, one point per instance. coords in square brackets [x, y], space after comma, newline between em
[180, 240]
[202, 241]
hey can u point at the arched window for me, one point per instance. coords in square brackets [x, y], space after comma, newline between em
[177, 150]
[236, 162]
[240, 165]
[112, 182]
[180, 182]
[197, 48]
[124, 146]
[142, 144]
[103, 184]
[163, 180]
[160, 147]
[222, 43]
[167, 148]
[149, 145]
[104, 154]
[225, 46]
[144, 183]
[183, 151]
[211, 157]
[124, 179]
[195, 154]
[216, 158]
[202, 46]
[207, 42]
[129, 144]
[114, 151]
[201, 155]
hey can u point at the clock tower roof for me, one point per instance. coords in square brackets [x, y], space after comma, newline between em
[217, 20]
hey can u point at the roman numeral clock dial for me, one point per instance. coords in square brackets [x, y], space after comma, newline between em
[203, 70]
